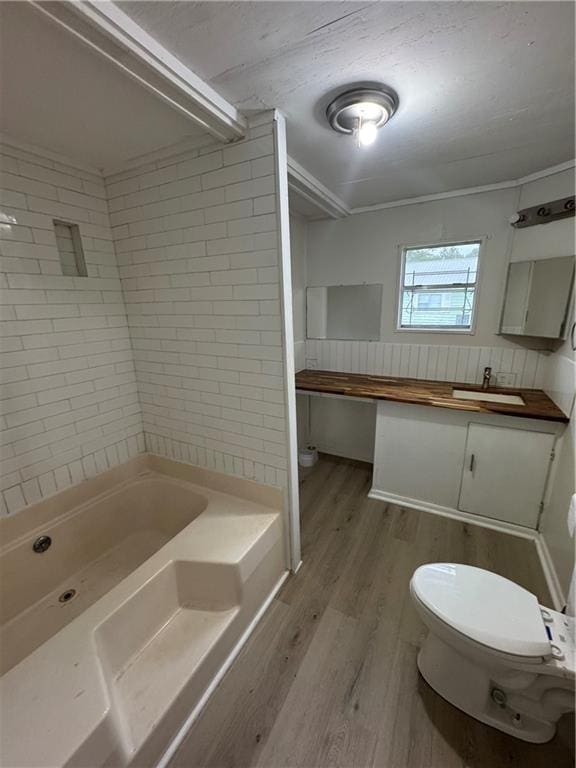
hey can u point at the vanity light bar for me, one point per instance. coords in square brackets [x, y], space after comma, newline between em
[544, 214]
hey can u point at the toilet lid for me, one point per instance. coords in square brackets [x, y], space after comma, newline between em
[483, 606]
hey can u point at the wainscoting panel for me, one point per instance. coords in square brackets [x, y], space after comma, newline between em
[299, 355]
[427, 361]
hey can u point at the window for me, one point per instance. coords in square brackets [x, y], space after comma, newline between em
[70, 249]
[438, 287]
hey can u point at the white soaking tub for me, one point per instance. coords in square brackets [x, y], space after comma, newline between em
[112, 634]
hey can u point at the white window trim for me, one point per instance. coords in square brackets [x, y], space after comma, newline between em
[471, 331]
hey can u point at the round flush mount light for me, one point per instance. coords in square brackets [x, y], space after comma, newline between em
[360, 112]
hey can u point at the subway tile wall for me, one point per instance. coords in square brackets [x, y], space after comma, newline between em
[69, 405]
[428, 361]
[197, 244]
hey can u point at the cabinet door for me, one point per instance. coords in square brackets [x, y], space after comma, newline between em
[550, 290]
[516, 299]
[419, 453]
[505, 473]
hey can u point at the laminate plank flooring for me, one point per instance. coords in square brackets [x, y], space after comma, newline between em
[329, 677]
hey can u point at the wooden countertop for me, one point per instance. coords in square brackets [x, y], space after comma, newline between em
[422, 392]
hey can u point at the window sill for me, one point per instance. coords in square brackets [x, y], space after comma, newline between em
[463, 332]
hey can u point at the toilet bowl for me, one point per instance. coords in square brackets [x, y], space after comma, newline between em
[493, 651]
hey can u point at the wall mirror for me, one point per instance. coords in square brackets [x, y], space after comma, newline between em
[537, 298]
[344, 312]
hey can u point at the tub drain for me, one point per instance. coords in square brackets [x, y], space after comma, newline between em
[66, 596]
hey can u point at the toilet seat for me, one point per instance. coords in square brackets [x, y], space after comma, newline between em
[484, 607]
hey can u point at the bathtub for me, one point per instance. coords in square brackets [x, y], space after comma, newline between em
[92, 548]
[121, 602]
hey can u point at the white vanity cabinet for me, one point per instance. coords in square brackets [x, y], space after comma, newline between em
[457, 462]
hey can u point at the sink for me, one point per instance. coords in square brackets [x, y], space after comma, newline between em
[490, 397]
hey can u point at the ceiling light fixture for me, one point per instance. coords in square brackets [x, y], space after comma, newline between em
[360, 112]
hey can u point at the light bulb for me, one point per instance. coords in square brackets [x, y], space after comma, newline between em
[367, 133]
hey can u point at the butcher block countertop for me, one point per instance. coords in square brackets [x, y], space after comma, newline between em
[421, 392]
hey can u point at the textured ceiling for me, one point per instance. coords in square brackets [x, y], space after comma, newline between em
[486, 89]
[57, 94]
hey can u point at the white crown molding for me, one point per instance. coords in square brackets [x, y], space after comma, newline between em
[547, 172]
[111, 33]
[511, 184]
[46, 154]
[311, 189]
[435, 196]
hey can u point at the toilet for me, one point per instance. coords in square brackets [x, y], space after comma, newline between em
[493, 651]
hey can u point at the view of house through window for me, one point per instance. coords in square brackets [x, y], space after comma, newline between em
[438, 286]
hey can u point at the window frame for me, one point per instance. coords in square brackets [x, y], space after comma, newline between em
[402, 249]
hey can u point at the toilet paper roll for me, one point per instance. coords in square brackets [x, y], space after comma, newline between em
[307, 457]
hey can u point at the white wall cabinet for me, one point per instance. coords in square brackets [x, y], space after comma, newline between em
[537, 297]
[516, 299]
[453, 461]
[505, 472]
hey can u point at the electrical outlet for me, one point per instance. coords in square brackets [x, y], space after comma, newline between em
[312, 363]
[504, 379]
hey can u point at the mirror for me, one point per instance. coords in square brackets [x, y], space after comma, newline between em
[537, 297]
[344, 312]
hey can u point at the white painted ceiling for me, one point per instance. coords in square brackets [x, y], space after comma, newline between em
[57, 94]
[486, 89]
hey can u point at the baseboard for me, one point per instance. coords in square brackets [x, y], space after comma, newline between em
[181, 735]
[556, 591]
[546, 561]
[454, 514]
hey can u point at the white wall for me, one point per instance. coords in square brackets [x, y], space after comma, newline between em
[366, 248]
[343, 427]
[554, 526]
[548, 241]
[197, 243]
[69, 400]
[560, 385]
[545, 241]
[298, 243]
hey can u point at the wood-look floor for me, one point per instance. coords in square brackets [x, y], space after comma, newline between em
[329, 677]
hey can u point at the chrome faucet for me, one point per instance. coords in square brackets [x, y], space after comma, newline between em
[487, 377]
